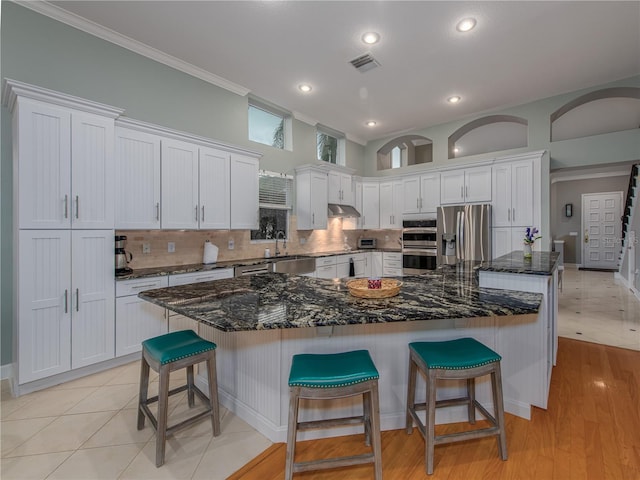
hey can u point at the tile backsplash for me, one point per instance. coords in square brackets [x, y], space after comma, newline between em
[189, 244]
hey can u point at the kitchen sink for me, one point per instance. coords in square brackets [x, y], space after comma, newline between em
[293, 264]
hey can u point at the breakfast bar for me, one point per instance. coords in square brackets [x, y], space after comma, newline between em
[260, 322]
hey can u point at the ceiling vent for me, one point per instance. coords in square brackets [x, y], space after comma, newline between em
[364, 63]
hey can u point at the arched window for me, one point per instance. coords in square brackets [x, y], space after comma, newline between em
[405, 150]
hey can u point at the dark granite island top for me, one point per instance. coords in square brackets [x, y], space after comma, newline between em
[541, 263]
[279, 301]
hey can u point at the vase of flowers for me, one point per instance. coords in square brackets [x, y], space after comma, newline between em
[530, 236]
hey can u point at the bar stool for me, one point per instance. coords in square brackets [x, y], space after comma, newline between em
[332, 376]
[165, 354]
[464, 358]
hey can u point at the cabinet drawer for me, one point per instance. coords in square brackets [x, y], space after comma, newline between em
[324, 261]
[133, 287]
[392, 256]
[392, 272]
[327, 271]
[198, 277]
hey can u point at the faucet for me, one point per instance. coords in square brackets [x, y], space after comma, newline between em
[284, 238]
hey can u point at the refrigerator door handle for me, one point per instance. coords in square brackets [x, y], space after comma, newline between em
[460, 236]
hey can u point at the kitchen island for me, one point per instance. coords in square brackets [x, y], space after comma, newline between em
[260, 322]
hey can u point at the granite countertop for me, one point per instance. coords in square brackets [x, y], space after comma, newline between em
[201, 267]
[276, 301]
[541, 263]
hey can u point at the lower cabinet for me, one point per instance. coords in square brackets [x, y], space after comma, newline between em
[65, 290]
[507, 239]
[137, 319]
[391, 264]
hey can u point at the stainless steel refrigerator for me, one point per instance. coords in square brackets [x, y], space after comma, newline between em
[464, 234]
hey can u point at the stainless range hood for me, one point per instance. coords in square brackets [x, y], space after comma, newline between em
[345, 211]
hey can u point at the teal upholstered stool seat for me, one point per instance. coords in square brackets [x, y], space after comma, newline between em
[331, 376]
[167, 353]
[461, 359]
[332, 370]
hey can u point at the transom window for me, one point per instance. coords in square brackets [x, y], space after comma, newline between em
[269, 125]
[330, 145]
[275, 206]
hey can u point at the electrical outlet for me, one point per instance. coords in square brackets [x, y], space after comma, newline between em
[171, 247]
[146, 247]
[386, 238]
[231, 244]
[303, 240]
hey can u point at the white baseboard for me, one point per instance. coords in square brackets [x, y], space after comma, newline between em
[6, 371]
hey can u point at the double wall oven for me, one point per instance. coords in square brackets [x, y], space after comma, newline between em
[419, 246]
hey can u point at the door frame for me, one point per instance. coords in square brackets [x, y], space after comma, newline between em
[582, 221]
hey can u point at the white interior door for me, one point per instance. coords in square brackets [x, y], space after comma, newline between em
[601, 227]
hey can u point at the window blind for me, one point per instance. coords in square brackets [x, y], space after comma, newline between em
[275, 190]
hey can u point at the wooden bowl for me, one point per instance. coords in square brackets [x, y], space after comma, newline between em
[360, 288]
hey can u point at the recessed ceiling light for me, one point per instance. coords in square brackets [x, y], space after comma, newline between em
[454, 99]
[370, 38]
[305, 88]
[466, 24]
[371, 123]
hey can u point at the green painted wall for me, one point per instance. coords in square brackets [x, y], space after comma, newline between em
[38, 50]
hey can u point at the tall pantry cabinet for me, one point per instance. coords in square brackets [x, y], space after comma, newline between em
[63, 231]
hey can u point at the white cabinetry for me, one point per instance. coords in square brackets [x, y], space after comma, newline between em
[391, 204]
[421, 194]
[244, 192]
[505, 240]
[513, 194]
[326, 267]
[63, 161]
[311, 199]
[180, 208]
[343, 265]
[466, 186]
[370, 205]
[65, 314]
[137, 161]
[214, 188]
[355, 223]
[340, 188]
[376, 264]
[392, 264]
[137, 319]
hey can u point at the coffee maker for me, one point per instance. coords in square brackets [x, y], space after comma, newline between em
[121, 256]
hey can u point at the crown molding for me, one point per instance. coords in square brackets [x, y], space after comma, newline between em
[12, 89]
[354, 139]
[590, 176]
[166, 132]
[304, 118]
[92, 28]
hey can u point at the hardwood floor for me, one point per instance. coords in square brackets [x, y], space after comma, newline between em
[591, 430]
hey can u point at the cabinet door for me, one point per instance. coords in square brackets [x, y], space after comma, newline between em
[334, 187]
[355, 223]
[136, 321]
[44, 304]
[501, 242]
[411, 195]
[215, 189]
[522, 194]
[398, 199]
[319, 202]
[376, 264]
[342, 270]
[370, 205]
[93, 294]
[244, 192]
[327, 271]
[386, 205]
[137, 184]
[43, 165]
[92, 171]
[360, 267]
[477, 187]
[179, 185]
[452, 187]
[429, 193]
[501, 214]
[346, 188]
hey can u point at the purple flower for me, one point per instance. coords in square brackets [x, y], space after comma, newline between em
[531, 235]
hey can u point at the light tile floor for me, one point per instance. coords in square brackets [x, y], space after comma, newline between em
[595, 307]
[86, 429]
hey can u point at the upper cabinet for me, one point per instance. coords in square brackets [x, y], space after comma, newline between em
[370, 205]
[340, 188]
[466, 185]
[311, 199]
[513, 194]
[177, 181]
[244, 192]
[391, 203]
[64, 165]
[421, 194]
[137, 180]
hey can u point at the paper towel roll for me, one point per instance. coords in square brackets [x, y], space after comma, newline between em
[210, 253]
